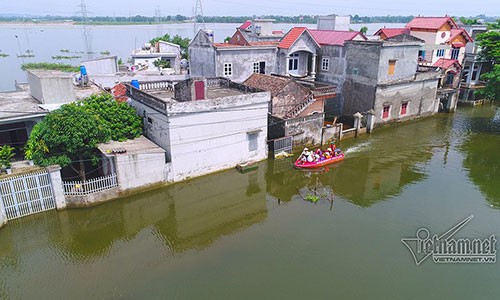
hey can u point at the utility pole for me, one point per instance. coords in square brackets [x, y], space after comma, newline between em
[198, 20]
[87, 32]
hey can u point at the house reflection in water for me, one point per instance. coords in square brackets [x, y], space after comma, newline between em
[184, 216]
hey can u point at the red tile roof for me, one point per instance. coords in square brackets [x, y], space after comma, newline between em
[392, 32]
[456, 32]
[273, 84]
[250, 44]
[445, 63]
[430, 22]
[291, 37]
[334, 37]
[245, 25]
[277, 32]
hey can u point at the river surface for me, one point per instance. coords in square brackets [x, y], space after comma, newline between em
[252, 236]
[46, 41]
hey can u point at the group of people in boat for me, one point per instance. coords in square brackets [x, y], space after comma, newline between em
[319, 155]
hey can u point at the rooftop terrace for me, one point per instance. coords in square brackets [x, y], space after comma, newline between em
[158, 94]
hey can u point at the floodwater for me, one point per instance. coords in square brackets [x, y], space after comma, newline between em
[252, 236]
[46, 41]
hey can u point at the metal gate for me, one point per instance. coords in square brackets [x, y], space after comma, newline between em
[26, 194]
[282, 144]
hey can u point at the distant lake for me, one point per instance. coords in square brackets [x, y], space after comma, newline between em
[47, 40]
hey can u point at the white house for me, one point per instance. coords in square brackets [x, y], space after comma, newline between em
[165, 51]
[205, 125]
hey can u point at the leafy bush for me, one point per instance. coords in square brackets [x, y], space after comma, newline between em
[6, 155]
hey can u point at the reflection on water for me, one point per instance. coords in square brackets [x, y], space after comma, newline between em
[481, 148]
[231, 234]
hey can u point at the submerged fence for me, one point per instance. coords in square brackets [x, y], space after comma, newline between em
[80, 188]
[26, 194]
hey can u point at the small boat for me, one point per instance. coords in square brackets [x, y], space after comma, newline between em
[317, 164]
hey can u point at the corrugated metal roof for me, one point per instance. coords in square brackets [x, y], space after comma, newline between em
[430, 22]
[333, 37]
[392, 32]
[445, 63]
[292, 36]
[245, 25]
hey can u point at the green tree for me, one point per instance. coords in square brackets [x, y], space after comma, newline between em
[71, 133]
[177, 39]
[363, 30]
[490, 52]
[467, 21]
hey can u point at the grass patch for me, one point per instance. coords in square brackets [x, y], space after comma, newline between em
[3, 55]
[50, 66]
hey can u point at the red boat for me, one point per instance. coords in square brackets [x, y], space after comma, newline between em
[317, 164]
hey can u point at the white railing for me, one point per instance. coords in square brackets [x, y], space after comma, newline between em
[79, 188]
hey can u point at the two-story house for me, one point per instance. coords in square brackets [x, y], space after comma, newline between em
[383, 79]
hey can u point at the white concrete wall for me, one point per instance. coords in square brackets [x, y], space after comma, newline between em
[420, 95]
[106, 65]
[138, 170]
[50, 90]
[406, 62]
[243, 60]
[428, 37]
[156, 125]
[205, 142]
[57, 186]
[3, 217]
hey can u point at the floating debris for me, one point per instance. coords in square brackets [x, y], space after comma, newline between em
[59, 57]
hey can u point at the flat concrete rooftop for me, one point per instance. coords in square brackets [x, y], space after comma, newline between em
[20, 104]
[212, 93]
[138, 145]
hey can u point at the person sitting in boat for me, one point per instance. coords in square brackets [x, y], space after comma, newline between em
[304, 154]
[328, 153]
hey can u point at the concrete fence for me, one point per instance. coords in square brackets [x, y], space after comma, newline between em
[95, 185]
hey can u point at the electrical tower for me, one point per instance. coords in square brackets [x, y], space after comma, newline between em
[87, 32]
[159, 28]
[198, 20]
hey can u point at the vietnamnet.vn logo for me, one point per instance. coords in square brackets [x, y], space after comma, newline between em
[446, 249]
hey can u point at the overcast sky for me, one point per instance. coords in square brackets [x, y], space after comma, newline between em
[254, 7]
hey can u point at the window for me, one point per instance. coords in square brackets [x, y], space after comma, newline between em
[325, 64]
[259, 67]
[228, 69]
[392, 66]
[454, 53]
[421, 55]
[293, 62]
[404, 108]
[440, 52]
[386, 111]
[253, 142]
[256, 67]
